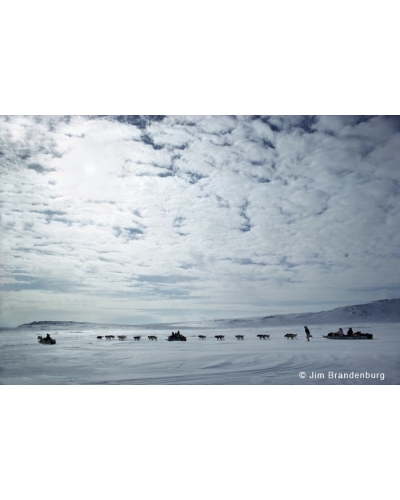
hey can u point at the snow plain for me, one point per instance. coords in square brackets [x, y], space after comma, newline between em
[80, 358]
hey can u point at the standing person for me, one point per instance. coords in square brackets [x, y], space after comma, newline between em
[308, 334]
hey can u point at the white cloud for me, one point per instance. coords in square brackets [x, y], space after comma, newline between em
[194, 217]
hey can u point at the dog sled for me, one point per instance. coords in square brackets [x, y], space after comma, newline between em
[354, 336]
[46, 340]
[176, 336]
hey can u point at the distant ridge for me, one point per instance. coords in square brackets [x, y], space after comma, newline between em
[40, 323]
[379, 311]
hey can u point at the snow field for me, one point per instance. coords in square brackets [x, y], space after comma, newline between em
[80, 358]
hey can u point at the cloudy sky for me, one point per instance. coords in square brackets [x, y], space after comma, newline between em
[128, 219]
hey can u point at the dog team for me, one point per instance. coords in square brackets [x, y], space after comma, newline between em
[261, 336]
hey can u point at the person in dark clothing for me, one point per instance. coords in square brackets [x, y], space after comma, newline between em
[350, 332]
[308, 334]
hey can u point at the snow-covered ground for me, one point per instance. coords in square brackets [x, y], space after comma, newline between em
[80, 358]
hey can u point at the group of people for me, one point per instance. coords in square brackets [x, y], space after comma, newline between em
[176, 336]
[340, 333]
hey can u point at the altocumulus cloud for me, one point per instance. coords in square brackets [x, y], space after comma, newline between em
[151, 218]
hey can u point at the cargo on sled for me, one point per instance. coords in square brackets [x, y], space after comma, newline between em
[176, 336]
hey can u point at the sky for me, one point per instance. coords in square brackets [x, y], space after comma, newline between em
[151, 219]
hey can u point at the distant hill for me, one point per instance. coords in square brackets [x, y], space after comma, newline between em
[52, 323]
[380, 311]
